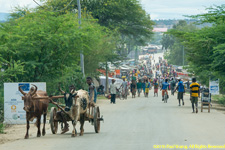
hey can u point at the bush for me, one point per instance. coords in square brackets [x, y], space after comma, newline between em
[1, 110]
[72, 76]
[221, 100]
[1, 128]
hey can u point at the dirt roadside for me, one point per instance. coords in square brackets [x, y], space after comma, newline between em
[17, 132]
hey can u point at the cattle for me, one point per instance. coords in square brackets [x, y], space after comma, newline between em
[77, 108]
[35, 108]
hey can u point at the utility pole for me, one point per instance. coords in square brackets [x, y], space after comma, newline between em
[81, 53]
[136, 55]
[183, 56]
[107, 79]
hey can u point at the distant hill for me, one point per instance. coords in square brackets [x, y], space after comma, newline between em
[3, 16]
[170, 22]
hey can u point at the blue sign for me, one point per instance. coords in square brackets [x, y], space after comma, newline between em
[25, 86]
[214, 88]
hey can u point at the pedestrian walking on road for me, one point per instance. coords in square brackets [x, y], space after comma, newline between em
[133, 87]
[124, 88]
[194, 94]
[139, 87]
[113, 89]
[147, 87]
[181, 91]
[156, 87]
[188, 85]
[143, 86]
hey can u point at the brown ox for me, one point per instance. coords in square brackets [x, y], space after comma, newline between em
[34, 108]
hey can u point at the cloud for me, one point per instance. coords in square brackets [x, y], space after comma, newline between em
[8, 5]
[158, 9]
[161, 9]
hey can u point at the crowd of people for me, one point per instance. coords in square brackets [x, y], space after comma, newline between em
[157, 76]
[143, 83]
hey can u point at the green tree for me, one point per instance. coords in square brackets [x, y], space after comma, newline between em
[126, 17]
[44, 46]
[205, 47]
[167, 41]
[173, 40]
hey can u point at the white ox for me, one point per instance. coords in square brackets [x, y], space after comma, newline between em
[79, 110]
[77, 101]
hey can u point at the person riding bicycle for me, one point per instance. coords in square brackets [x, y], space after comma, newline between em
[164, 88]
[172, 86]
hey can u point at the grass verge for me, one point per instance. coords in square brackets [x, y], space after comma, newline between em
[1, 111]
[219, 98]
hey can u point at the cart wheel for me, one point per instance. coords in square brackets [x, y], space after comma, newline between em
[53, 123]
[96, 121]
[201, 107]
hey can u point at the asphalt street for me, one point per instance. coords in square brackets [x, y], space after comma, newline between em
[139, 123]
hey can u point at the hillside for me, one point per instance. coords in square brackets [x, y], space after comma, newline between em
[170, 22]
[3, 16]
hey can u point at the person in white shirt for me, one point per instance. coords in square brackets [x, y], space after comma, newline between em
[113, 91]
[124, 88]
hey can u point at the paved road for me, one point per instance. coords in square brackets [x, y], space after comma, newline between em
[137, 124]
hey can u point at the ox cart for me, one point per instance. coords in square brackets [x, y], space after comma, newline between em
[92, 114]
[78, 109]
[93, 117]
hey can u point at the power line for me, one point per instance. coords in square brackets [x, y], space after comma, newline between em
[56, 10]
[37, 3]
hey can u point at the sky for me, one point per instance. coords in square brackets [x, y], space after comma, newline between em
[175, 9]
[158, 9]
[7, 5]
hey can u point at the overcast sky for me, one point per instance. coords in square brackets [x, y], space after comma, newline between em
[7, 5]
[158, 9]
[175, 9]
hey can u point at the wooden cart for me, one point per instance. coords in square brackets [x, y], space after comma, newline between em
[54, 121]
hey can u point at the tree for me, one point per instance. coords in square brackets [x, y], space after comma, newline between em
[126, 17]
[167, 41]
[205, 47]
[44, 46]
[174, 42]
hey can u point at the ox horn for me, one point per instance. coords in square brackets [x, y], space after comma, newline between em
[72, 91]
[21, 90]
[62, 91]
[34, 90]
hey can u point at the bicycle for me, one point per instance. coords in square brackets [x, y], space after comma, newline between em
[118, 93]
[165, 97]
[172, 91]
[124, 94]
